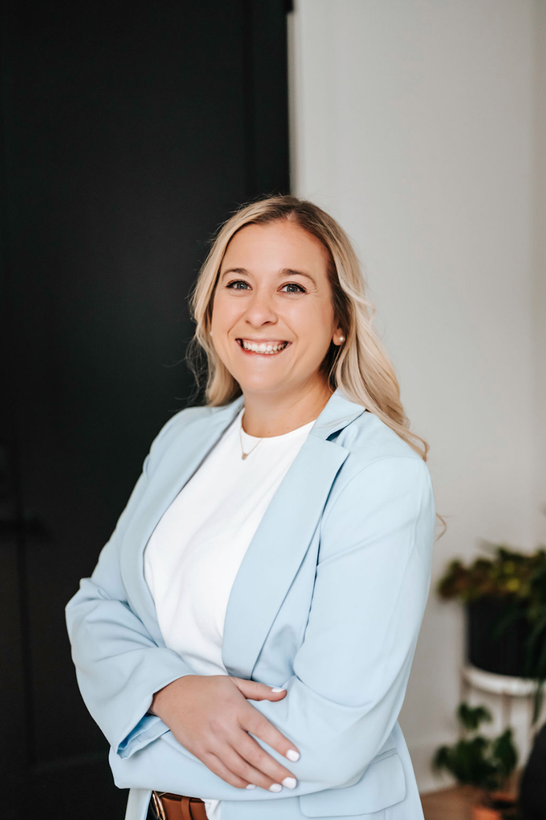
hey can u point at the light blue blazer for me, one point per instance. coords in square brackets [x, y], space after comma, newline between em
[328, 602]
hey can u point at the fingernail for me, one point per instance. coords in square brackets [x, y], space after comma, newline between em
[250, 786]
[276, 787]
[277, 689]
[289, 782]
[293, 755]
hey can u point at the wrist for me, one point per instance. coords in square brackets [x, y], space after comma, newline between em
[163, 696]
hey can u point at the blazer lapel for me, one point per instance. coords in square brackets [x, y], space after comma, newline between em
[279, 543]
[276, 552]
[282, 539]
[176, 468]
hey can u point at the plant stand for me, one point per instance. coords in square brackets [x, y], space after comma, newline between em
[507, 689]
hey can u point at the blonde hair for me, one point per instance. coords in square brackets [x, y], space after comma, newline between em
[360, 368]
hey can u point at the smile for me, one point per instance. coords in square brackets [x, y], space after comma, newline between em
[262, 348]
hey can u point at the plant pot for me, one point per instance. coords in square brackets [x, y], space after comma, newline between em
[483, 813]
[499, 803]
[505, 656]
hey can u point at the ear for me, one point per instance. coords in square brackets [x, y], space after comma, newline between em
[338, 337]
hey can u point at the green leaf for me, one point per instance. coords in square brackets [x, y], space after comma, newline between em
[505, 753]
[471, 717]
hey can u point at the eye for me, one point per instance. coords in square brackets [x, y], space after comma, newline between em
[294, 285]
[237, 282]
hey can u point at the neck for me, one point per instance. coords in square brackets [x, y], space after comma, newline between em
[268, 414]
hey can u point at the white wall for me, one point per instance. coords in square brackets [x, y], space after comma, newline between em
[539, 260]
[417, 124]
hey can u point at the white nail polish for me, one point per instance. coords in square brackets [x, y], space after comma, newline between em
[277, 689]
[250, 786]
[289, 782]
[293, 755]
[276, 787]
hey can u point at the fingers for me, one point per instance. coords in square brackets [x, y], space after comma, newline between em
[254, 722]
[212, 717]
[258, 691]
[219, 768]
[246, 764]
[252, 763]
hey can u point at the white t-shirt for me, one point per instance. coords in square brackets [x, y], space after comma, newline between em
[195, 551]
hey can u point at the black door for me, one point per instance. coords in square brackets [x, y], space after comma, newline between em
[130, 130]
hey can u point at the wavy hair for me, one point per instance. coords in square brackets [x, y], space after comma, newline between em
[360, 368]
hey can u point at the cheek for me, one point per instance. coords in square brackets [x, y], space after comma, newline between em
[314, 322]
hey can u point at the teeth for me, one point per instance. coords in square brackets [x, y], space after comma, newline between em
[263, 348]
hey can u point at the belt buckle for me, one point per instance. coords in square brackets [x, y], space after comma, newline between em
[159, 808]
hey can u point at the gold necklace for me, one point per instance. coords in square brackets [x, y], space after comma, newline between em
[246, 455]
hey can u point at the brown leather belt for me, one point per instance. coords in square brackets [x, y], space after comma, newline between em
[169, 806]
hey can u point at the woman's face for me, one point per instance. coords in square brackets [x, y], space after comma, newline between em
[273, 292]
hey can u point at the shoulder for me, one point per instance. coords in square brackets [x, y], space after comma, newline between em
[380, 468]
[369, 441]
[175, 426]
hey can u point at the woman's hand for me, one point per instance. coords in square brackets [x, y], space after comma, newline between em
[210, 716]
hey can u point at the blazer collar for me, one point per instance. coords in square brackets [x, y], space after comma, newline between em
[279, 543]
[337, 413]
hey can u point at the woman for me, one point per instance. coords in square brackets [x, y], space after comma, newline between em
[246, 638]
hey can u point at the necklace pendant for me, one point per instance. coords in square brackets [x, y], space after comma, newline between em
[244, 456]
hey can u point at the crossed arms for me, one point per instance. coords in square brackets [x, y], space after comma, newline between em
[349, 675]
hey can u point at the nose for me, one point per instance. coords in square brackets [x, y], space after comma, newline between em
[260, 309]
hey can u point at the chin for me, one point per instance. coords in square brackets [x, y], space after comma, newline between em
[256, 386]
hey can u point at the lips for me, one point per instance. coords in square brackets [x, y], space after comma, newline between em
[262, 348]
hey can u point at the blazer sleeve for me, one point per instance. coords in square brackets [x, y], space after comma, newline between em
[352, 668]
[118, 664]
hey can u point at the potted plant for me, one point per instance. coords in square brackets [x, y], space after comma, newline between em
[505, 598]
[483, 764]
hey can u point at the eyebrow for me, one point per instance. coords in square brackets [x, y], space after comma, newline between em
[281, 273]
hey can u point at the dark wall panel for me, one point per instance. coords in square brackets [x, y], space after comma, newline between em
[130, 131]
